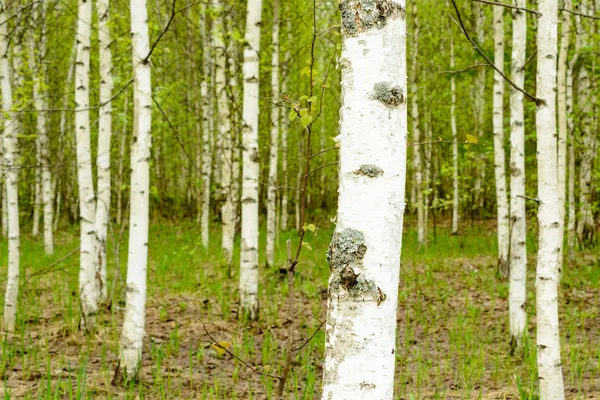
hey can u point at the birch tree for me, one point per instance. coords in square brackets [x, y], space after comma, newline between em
[455, 188]
[88, 288]
[498, 128]
[518, 232]
[273, 148]
[364, 254]
[104, 139]
[479, 104]
[416, 131]
[42, 142]
[134, 320]
[206, 139]
[249, 246]
[550, 240]
[10, 150]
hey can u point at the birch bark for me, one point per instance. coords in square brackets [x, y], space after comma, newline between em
[518, 252]
[250, 170]
[134, 320]
[364, 253]
[274, 141]
[416, 130]
[499, 159]
[455, 187]
[104, 139]
[549, 241]
[10, 151]
[206, 139]
[88, 288]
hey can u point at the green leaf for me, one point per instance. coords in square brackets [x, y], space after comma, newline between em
[312, 99]
[471, 139]
[305, 71]
[311, 227]
[221, 348]
[303, 112]
[303, 97]
[292, 115]
[306, 120]
[308, 246]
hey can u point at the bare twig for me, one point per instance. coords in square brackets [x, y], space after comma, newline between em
[486, 58]
[493, 3]
[324, 151]
[311, 336]
[321, 167]
[579, 14]
[529, 198]
[458, 71]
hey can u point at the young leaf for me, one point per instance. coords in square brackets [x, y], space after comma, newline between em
[221, 347]
[308, 246]
[311, 227]
[306, 120]
[471, 139]
[292, 115]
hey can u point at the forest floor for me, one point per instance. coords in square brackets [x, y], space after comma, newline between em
[452, 323]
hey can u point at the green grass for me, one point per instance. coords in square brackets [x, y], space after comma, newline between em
[452, 323]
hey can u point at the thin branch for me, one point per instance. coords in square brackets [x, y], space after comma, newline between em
[215, 343]
[529, 198]
[278, 187]
[321, 167]
[311, 337]
[324, 151]
[458, 71]
[493, 3]
[579, 14]
[476, 47]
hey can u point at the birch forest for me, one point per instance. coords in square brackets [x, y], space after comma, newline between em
[300, 199]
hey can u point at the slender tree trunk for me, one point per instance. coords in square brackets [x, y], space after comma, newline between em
[225, 133]
[285, 128]
[585, 222]
[455, 188]
[11, 150]
[206, 139]
[417, 131]
[42, 144]
[499, 162]
[550, 241]
[571, 228]
[479, 109]
[133, 324]
[122, 148]
[250, 168]
[87, 274]
[37, 189]
[518, 230]
[104, 139]
[273, 150]
[562, 119]
[364, 254]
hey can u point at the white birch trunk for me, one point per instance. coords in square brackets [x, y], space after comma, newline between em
[225, 134]
[571, 227]
[416, 131]
[585, 222]
[518, 234]
[285, 128]
[88, 287]
[206, 118]
[550, 241]
[37, 189]
[273, 149]
[562, 119]
[122, 147]
[455, 188]
[249, 246]
[479, 101]
[104, 146]
[133, 324]
[42, 143]
[499, 159]
[364, 253]
[10, 151]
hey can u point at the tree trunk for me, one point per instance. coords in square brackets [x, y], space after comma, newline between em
[518, 232]
[225, 134]
[571, 228]
[42, 144]
[11, 176]
[364, 254]
[550, 241]
[88, 286]
[133, 323]
[417, 132]
[498, 128]
[455, 188]
[122, 148]
[273, 150]
[206, 137]
[479, 101]
[104, 138]
[250, 168]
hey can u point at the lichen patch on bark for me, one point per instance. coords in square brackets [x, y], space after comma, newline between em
[362, 15]
[387, 94]
[370, 170]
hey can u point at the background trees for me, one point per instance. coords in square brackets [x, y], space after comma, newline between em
[231, 176]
